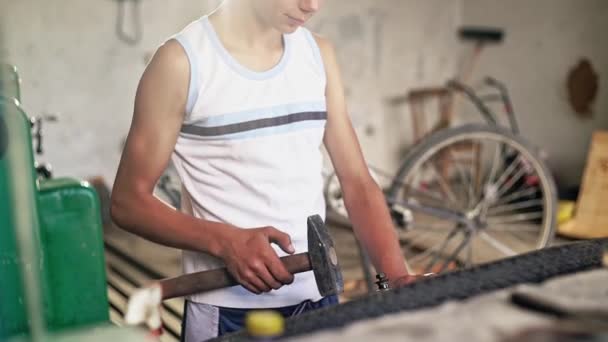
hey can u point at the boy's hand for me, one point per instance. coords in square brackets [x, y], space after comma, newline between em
[408, 279]
[252, 261]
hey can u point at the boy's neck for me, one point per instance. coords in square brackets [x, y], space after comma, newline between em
[237, 23]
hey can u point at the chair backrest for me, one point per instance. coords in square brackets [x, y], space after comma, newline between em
[423, 122]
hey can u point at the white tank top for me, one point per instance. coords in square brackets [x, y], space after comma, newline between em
[248, 153]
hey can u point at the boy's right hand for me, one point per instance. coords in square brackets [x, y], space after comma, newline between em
[252, 261]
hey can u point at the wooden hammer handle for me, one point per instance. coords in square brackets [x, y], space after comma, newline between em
[204, 281]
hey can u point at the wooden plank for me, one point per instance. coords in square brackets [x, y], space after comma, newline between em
[121, 286]
[591, 217]
[116, 318]
[140, 279]
[164, 260]
[117, 299]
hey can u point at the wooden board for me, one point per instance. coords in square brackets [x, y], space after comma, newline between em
[591, 218]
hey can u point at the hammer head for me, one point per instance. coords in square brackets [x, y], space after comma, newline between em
[323, 258]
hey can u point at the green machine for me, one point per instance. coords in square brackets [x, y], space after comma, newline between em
[52, 268]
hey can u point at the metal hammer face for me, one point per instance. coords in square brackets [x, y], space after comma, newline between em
[323, 258]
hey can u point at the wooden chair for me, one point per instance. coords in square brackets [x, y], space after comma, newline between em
[441, 101]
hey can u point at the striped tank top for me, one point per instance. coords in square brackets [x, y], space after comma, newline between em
[248, 153]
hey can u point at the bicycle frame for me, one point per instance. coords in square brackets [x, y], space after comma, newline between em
[490, 117]
[480, 101]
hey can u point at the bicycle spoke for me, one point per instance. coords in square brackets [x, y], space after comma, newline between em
[438, 246]
[476, 173]
[499, 246]
[515, 206]
[453, 256]
[443, 184]
[420, 234]
[524, 238]
[506, 173]
[432, 228]
[475, 164]
[515, 218]
[494, 167]
[517, 195]
[417, 240]
[410, 191]
[436, 212]
[461, 172]
[469, 261]
[511, 182]
[512, 228]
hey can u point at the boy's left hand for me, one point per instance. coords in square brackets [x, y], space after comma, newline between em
[408, 279]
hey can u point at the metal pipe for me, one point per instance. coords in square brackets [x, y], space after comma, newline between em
[27, 233]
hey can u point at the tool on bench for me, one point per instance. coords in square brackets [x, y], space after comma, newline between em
[592, 319]
[321, 258]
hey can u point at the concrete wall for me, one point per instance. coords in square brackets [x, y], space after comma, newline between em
[72, 63]
[545, 39]
[384, 48]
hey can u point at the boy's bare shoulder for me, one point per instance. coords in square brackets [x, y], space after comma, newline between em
[324, 43]
[327, 50]
[172, 53]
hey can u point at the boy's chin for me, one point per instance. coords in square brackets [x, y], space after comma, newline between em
[287, 28]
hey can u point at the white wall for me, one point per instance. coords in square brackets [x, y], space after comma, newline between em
[385, 48]
[544, 40]
[72, 63]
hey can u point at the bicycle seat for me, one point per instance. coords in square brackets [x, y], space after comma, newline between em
[482, 34]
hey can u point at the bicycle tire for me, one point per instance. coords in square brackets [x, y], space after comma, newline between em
[529, 268]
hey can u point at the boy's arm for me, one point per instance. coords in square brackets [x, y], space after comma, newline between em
[364, 200]
[159, 111]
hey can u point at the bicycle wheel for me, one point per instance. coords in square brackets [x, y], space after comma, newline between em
[499, 197]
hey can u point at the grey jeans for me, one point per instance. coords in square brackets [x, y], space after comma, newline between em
[200, 322]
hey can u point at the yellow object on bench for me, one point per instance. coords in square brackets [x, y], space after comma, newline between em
[591, 218]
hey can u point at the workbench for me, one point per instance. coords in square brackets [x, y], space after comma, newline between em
[468, 305]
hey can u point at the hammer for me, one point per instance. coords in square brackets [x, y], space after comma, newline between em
[321, 259]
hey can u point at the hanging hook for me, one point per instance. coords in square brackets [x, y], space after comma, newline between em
[135, 37]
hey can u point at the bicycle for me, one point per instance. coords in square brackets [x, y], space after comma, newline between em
[506, 197]
[470, 194]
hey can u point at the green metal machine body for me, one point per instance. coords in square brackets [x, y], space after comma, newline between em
[72, 245]
[17, 205]
[50, 234]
